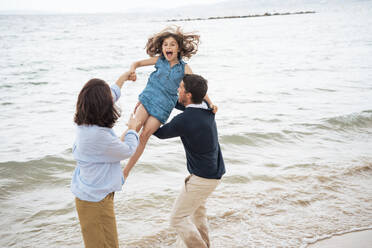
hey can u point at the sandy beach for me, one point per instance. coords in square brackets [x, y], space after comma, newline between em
[362, 239]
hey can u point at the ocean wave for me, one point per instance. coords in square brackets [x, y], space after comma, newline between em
[358, 122]
[38, 83]
[93, 68]
[343, 123]
[326, 90]
[268, 120]
[6, 86]
[266, 138]
[328, 174]
[19, 176]
[365, 169]
[351, 121]
[253, 138]
[6, 103]
[23, 83]
[236, 140]
[236, 179]
[317, 238]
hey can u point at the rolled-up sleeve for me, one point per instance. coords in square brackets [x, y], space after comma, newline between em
[116, 92]
[117, 149]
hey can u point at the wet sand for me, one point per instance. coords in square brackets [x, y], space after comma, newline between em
[362, 239]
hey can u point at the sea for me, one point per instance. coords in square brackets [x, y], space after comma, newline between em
[294, 97]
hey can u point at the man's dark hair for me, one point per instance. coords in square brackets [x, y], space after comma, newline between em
[95, 105]
[196, 85]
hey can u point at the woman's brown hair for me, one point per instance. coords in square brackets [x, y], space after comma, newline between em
[187, 42]
[95, 105]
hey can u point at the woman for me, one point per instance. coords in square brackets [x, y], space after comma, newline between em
[98, 152]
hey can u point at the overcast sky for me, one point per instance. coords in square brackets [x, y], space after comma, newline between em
[92, 6]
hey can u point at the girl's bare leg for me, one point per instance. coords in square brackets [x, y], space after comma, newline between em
[141, 115]
[151, 125]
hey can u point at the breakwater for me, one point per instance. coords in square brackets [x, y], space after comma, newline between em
[241, 16]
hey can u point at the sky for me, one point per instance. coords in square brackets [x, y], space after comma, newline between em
[94, 6]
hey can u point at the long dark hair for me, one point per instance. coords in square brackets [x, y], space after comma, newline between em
[187, 42]
[95, 105]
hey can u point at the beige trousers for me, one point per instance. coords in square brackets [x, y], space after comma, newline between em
[98, 222]
[189, 215]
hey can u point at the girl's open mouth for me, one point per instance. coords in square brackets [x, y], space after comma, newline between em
[169, 53]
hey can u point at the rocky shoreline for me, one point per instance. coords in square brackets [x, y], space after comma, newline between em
[244, 16]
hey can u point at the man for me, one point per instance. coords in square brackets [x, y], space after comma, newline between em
[198, 131]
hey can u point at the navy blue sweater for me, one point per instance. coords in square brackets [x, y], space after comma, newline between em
[198, 131]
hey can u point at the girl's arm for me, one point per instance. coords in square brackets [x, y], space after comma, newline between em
[206, 98]
[145, 62]
[188, 69]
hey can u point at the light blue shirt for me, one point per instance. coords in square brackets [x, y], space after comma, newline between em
[98, 152]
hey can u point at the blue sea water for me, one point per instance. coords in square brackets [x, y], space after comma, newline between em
[295, 126]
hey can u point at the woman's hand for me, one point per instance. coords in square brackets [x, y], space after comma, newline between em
[133, 123]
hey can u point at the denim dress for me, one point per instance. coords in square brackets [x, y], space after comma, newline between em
[160, 94]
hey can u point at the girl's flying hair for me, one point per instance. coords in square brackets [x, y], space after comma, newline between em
[187, 42]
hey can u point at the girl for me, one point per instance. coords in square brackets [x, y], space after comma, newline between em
[98, 152]
[166, 50]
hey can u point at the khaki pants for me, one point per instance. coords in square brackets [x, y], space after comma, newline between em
[189, 213]
[98, 223]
